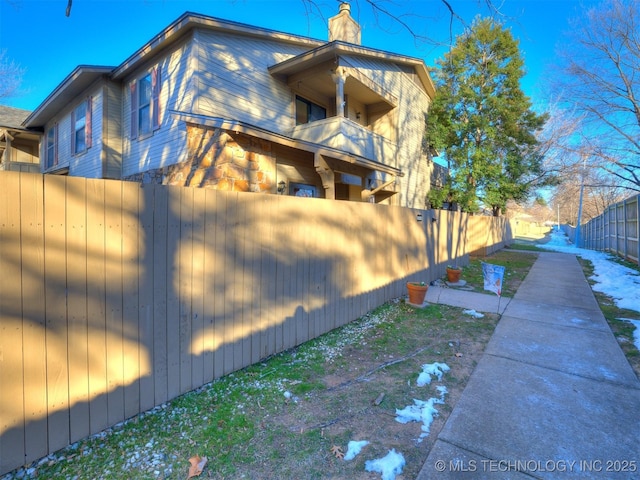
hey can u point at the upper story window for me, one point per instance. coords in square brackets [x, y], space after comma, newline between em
[145, 104]
[307, 111]
[81, 127]
[51, 153]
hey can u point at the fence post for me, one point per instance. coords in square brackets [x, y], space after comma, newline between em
[638, 228]
[624, 226]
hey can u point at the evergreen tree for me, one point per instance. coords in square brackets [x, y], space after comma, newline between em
[482, 121]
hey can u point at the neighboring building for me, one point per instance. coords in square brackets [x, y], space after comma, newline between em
[218, 104]
[19, 146]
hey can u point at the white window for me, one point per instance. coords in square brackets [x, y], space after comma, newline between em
[145, 104]
[81, 127]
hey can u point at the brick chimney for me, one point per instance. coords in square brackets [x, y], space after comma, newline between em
[343, 27]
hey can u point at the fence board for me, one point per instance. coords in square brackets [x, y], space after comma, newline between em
[56, 311]
[269, 276]
[218, 282]
[78, 332]
[146, 298]
[197, 294]
[209, 269]
[12, 414]
[173, 292]
[160, 298]
[96, 306]
[185, 259]
[33, 320]
[242, 345]
[114, 292]
[231, 226]
[131, 341]
[253, 291]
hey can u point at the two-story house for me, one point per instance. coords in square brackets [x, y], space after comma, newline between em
[219, 104]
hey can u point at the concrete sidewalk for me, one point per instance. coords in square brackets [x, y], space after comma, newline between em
[553, 395]
[480, 302]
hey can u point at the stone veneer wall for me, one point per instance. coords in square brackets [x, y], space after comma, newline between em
[219, 160]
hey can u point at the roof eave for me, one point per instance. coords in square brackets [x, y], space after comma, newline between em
[77, 81]
[342, 48]
[188, 21]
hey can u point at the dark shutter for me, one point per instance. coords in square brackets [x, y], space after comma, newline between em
[134, 109]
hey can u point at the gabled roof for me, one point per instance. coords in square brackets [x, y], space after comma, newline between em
[78, 80]
[12, 117]
[189, 20]
[331, 50]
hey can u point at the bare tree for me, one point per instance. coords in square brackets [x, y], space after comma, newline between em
[601, 81]
[10, 76]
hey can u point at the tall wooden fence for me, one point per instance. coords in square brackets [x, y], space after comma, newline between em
[616, 230]
[116, 297]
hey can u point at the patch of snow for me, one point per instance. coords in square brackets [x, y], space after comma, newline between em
[389, 466]
[422, 411]
[354, 448]
[473, 313]
[437, 369]
[636, 332]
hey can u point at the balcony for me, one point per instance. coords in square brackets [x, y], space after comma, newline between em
[350, 137]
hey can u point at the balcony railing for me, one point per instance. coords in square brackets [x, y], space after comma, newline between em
[348, 136]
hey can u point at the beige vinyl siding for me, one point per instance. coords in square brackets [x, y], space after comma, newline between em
[88, 163]
[409, 124]
[234, 81]
[166, 145]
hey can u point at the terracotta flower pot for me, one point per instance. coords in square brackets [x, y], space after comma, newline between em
[453, 274]
[417, 292]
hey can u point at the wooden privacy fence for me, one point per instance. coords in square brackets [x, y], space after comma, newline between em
[116, 297]
[616, 230]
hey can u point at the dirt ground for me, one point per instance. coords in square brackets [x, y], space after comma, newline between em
[365, 386]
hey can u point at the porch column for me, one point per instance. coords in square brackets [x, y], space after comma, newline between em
[339, 77]
[327, 175]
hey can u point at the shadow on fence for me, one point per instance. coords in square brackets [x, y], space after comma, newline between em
[117, 297]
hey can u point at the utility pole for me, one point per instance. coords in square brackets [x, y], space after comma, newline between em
[584, 166]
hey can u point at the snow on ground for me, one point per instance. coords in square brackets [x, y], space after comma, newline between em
[473, 313]
[428, 369]
[421, 411]
[389, 466]
[354, 448]
[620, 283]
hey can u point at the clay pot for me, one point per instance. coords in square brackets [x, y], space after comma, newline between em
[417, 292]
[453, 274]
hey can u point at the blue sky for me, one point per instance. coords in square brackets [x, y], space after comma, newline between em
[38, 36]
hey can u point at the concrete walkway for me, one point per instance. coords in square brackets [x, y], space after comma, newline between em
[553, 395]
